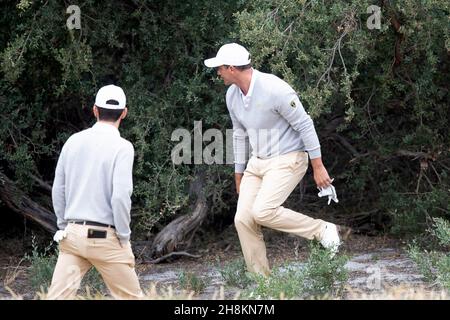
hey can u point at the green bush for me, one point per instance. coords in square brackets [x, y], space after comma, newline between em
[42, 264]
[235, 274]
[411, 213]
[282, 282]
[321, 276]
[441, 231]
[191, 282]
[324, 275]
[434, 263]
[154, 50]
[379, 98]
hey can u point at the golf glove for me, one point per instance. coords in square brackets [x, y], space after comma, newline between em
[59, 235]
[329, 191]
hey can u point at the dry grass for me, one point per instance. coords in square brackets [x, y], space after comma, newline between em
[153, 292]
[12, 273]
[168, 293]
[400, 293]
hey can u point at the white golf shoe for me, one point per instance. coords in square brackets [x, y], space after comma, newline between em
[330, 238]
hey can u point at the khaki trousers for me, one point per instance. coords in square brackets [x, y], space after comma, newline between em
[265, 185]
[77, 254]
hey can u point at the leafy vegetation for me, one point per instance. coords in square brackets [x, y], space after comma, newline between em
[321, 276]
[235, 274]
[42, 264]
[191, 282]
[434, 263]
[379, 98]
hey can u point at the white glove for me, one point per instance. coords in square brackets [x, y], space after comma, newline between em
[329, 191]
[59, 235]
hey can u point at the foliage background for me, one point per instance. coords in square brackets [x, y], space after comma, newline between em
[379, 98]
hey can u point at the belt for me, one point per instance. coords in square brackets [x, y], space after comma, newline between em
[93, 223]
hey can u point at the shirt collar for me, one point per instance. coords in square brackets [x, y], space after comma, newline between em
[246, 98]
[252, 84]
[106, 127]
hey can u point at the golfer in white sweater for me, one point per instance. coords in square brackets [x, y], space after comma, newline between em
[269, 119]
[91, 198]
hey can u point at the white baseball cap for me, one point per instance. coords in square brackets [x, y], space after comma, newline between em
[111, 97]
[231, 54]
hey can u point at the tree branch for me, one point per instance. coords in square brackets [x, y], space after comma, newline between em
[19, 202]
[41, 183]
[179, 253]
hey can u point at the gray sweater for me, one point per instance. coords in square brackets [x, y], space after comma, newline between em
[93, 179]
[269, 121]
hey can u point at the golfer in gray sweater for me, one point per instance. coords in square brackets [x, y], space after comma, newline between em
[91, 198]
[270, 121]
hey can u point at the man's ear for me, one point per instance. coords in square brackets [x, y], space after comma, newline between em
[124, 113]
[95, 111]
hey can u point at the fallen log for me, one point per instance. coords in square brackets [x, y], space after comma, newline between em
[178, 234]
[17, 200]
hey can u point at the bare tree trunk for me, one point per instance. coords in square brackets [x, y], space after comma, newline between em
[19, 202]
[178, 234]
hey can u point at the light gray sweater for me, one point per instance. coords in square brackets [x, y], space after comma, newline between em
[269, 121]
[93, 179]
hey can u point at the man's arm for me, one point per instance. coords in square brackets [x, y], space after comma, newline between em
[122, 190]
[321, 176]
[292, 110]
[240, 147]
[237, 180]
[59, 192]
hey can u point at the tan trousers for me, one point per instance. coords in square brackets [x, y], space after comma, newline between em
[265, 186]
[77, 254]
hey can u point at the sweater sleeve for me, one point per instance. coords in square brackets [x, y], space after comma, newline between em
[58, 192]
[122, 190]
[290, 108]
[240, 140]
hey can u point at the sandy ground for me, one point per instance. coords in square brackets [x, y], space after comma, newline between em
[376, 264]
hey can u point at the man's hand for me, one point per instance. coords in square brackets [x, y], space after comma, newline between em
[321, 176]
[237, 179]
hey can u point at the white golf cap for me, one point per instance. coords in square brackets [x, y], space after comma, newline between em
[231, 54]
[111, 97]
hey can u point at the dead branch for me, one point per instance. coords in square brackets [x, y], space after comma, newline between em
[180, 253]
[19, 202]
[179, 232]
[41, 183]
[346, 144]
[415, 155]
